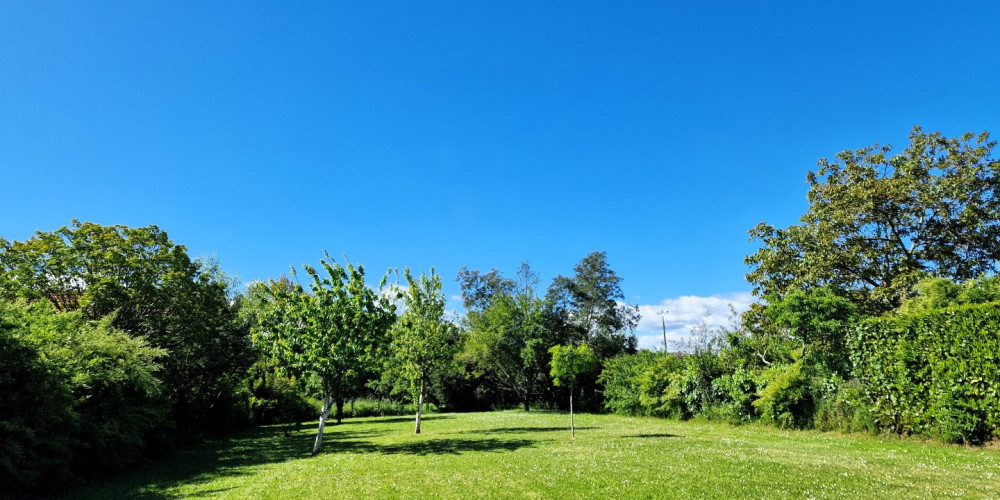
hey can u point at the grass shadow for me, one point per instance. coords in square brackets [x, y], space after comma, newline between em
[237, 455]
[207, 461]
[521, 430]
[392, 420]
[436, 446]
[653, 435]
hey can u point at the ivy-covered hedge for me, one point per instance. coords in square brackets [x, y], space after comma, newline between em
[936, 373]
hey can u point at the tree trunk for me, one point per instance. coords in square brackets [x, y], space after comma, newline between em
[420, 405]
[327, 403]
[572, 425]
[527, 404]
[340, 410]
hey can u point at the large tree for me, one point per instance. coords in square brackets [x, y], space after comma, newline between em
[153, 290]
[336, 331]
[509, 337]
[596, 306]
[877, 222]
[424, 341]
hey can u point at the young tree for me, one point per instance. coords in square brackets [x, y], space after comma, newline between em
[334, 331]
[423, 341]
[596, 305]
[878, 223]
[568, 363]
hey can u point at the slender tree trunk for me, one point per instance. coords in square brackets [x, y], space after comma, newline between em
[327, 403]
[340, 410]
[420, 405]
[527, 403]
[572, 425]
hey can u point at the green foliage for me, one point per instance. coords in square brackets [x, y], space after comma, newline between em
[817, 322]
[152, 290]
[569, 363]
[737, 392]
[847, 408]
[659, 386]
[785, 399]
[363, 408]
[337, 332]
[275, 398]
[596, 306]
[508, 338]
[622, 380]
[877, 223]
[424, 342]
[939, 293]
[79, 396]
[936, 373]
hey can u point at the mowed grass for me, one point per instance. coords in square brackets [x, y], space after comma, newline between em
[530, 455]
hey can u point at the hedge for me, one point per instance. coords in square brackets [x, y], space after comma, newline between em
[936, 373]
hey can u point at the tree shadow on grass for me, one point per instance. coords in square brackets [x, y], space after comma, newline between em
[435, 446]
[392, 420]
[267, 445]
[520, 430]
[653, 435]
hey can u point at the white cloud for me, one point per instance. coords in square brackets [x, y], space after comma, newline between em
[684, 313]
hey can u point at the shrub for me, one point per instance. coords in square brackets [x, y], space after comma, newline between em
[622, 380]
[737, 391]
[847, 409]
[785, 399]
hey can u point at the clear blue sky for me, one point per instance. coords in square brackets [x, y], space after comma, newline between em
[469, 133]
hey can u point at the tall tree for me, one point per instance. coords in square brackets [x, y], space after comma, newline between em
[510, 337]
[596, 305]
[568, 364]
[154, 291]
[479, 288]
[335, 331]
[424, 342]
[877, 223]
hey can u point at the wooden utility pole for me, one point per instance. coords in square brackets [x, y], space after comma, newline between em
[662, 314]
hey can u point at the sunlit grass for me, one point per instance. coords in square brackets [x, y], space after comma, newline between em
[530, 455]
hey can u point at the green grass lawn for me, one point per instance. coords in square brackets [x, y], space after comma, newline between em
[517, 455]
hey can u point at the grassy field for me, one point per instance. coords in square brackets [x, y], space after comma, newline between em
[530, 455]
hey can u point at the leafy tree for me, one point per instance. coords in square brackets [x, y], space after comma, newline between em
[568, 364]
[478, 288]
[335, 332]
[510, 335]
[423, 341]
[817, 322]
[154, 291]
[877, 223]
[596, 306]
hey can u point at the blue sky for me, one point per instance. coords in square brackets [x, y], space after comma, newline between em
[470, 133]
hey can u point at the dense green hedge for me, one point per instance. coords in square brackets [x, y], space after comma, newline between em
[936, 373]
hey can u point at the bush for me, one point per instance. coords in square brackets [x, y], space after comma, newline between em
[936, 373]
[786, 399]
[846, 409]
[622, 380]
[737, 391]
[78, 396]
[361, 408]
